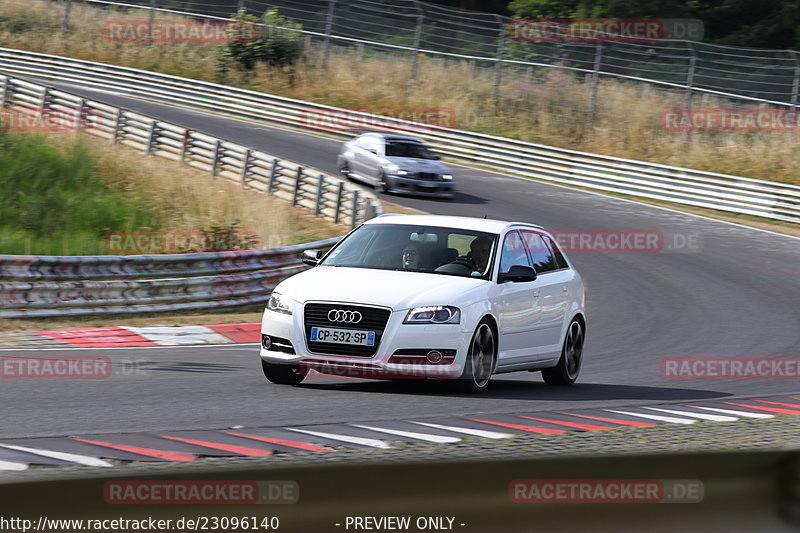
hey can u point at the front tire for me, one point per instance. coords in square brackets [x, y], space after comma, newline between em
[569, 365]
[382, 185]
[284, 374]
[480, 359]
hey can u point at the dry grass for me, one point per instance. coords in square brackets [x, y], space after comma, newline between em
[184, 198]
[549, 106]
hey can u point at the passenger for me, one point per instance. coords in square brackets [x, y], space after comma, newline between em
[411, 257]
[475, 261]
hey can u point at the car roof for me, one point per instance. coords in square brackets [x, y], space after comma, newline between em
[391, 136]
[469, 223]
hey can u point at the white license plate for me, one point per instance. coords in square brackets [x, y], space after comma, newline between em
[343, 336]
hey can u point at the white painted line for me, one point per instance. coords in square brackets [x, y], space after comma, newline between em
[668, 419]
[180, 335]
[8, 465]
[71, 457]
[737, 413]
[468, 431]
[701, 416]
[374, 443]
[412, 435]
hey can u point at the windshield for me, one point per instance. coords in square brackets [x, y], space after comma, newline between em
[408, 149]
[448, 251]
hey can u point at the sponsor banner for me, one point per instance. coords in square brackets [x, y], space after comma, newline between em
[177, 242]
[58, 367]
[179, 31]
[378, 119]
[730, 120]
[198, 492]
[730, 368]
[53, 120]
[593, 30]
[606, 491]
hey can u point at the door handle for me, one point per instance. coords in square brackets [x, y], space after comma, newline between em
[535, 294]
[566, 289]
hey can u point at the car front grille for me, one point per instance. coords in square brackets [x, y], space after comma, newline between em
[429, 176]
[373, 319]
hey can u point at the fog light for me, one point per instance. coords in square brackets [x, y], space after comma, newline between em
[266, 342]
[434, 357]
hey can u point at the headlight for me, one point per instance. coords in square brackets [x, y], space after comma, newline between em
[279, 304]
[439, 314]
[402, 172]
[447, 176]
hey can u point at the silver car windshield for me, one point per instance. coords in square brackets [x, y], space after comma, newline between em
[436, 250]
[408, 149]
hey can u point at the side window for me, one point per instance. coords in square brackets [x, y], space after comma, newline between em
[513, 252]
[542, 257]
[560, 261]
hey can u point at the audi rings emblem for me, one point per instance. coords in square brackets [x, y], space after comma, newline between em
[346, 317]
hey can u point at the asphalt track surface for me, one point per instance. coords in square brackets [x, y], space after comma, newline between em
[716, 289]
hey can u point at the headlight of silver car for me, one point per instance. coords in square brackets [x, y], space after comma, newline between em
[436, 314]
[279, 304]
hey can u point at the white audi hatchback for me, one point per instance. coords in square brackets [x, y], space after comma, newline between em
[424, 296]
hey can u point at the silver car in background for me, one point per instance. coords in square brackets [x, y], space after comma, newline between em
[395, 163]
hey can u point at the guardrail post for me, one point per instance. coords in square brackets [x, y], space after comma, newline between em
[338, 209]
[215, 158]
[245, 165]
[298, 182]
[796, 82]
[598, 65]
[116, 126]
[273, 175]
[186, 143]
[150, 18]
[328, 28]
[82, 114]
[5, 92]
[44, 101]
[354, 214]
[417, 39]
[151, 137]
[498, 66]
[65, 22]
[320, 191]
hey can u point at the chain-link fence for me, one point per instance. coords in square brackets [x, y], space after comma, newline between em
[487, 40]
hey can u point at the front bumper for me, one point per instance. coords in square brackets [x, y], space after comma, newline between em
[406, 338]
[436, 188]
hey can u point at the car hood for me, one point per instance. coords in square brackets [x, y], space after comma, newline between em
[420, 165]
[390, 288]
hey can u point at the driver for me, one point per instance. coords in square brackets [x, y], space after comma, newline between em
[475, 261]
[411, 257]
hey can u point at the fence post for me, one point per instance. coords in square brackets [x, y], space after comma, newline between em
[690, 77]
[498, 66]
[151, 136]
[338, 208]
[796, 83]
[298, 181]
[328, 29]
[150, 19]
[417, 39]
[215, 158]
[44, 101]
[598, 63]
[320, 193]
[118, 120]
[65, 22]
[273, 174]
[82, 114]
[354, 214]
[245, 165]
[186, 142]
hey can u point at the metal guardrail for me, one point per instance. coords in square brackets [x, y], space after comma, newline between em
[773, 200]
[47, 286]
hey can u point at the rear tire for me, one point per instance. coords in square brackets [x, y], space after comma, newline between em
[284, 374]
[480, 359]
[569, 365]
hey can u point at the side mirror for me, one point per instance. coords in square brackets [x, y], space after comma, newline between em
[517, 274]
[311, 257]
[436, 157]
